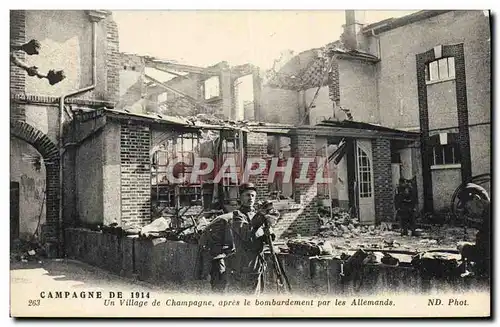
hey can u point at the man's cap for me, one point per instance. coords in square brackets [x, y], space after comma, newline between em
[247, 186]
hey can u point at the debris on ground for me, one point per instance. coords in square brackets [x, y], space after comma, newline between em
[309, 248]
[340, 228]
[156, 228]
[339, 223]
[26, 251]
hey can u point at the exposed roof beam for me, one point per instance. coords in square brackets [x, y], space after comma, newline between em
[175, 74]
[357, 133]
[165, 65]
[172, 73]
[171, 89]
[153, 89]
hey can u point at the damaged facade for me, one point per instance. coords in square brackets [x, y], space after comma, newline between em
[118, 136]
[432, 77]
[86, 49]
[396, 64]
[321, 84]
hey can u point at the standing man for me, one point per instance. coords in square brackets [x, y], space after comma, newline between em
[405, 204]
[235, 244]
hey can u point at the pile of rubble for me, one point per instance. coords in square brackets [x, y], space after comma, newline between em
[26, 251]
[339, 223]
[159, 228]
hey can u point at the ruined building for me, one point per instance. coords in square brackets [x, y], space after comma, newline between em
[402, 97]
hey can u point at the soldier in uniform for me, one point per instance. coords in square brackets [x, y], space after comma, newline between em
[405, 204]
[235, 244]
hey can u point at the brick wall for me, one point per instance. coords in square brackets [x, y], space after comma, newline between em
[333, 82]
[17, 75]
[50, 155]
[323, 105]
[382, 174]
[131, 87]
[355, 76]
[456, 51]
[288, 226]
[256, 147]
[179, 106]
[135, 174]
[279, 105]
[303, 145]
[421, 60]
[112, 60]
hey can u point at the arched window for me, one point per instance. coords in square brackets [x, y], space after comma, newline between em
[365, 174]
[441, 69]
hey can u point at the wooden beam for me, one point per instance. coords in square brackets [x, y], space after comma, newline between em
[169, 88]
[164, 65]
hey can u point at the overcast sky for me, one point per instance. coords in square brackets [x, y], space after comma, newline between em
[207, 37]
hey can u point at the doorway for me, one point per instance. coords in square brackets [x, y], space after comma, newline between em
[364, 182]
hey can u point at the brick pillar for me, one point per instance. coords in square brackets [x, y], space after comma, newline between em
[257, 95]
[112, 60]
[457, 51]
[17, 75]
[322, 189]
[226, 89]
[256, 147]
[333, 83]
[135, 143]
[382, 174]
[426, 151]
[303, 145]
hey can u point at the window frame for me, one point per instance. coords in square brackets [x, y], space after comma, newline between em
[166, 195]
[217, 84]
[235, 138]
[437, 145]
[365, 174]
[450, 70]
[456, 157]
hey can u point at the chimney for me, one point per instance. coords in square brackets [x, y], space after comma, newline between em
[352, 36]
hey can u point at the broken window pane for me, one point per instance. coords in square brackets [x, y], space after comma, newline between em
[448, 154]
[433, 71]
[438, 155]
[443, 68]
[165, 193]
[212, 87]
[162, 97]
[451, 67]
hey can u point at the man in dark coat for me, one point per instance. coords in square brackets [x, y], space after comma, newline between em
[406, 204]
[235, 242]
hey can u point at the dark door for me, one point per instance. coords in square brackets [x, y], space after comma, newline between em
[14, 210]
